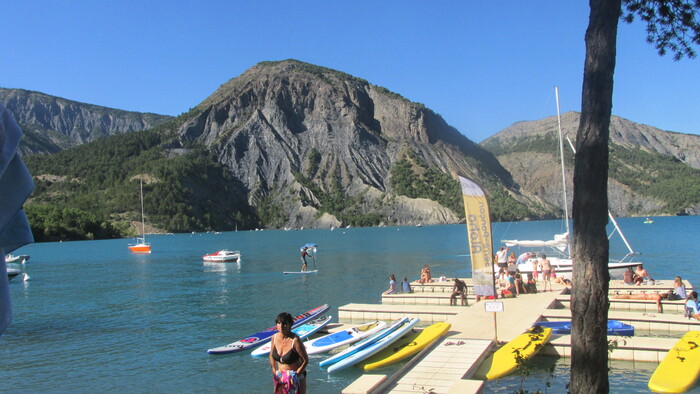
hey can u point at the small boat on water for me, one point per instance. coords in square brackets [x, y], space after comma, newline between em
[223, 256]
[19, 259]
[615, 327]
[648, 221]
[12, 273]
[141, 246]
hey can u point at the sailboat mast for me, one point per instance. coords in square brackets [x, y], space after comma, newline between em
[143, 220]
[563, 170]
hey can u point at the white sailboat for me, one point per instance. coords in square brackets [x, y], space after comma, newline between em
[561, 261]
[141, 246]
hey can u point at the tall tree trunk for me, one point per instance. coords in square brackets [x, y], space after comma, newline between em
[589, 353]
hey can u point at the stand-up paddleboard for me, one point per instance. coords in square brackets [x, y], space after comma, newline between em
[345, 337]
[679, 370]
[375, 347]
[265, 335]
[503, 361]
[300, 272]
[356, 347]
[303, 331]
[406, 346]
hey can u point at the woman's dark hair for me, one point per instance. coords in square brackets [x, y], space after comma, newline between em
[285, 317]
[392, 277]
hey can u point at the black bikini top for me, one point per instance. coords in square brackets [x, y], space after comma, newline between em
[288, 358]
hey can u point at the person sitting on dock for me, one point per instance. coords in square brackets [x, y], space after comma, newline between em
[425, 275]
[519, 285]
[691, 306]
[628, 276]
[459, 289]
[640, 274]
[678, 292]
[405, 286]
[392, 285]
[508, 287]
[531, 285]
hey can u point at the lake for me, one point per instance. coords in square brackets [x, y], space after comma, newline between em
[93, 316]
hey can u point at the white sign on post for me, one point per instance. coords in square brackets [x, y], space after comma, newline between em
[493, 306]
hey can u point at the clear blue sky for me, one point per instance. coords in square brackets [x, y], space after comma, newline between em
[482, 65]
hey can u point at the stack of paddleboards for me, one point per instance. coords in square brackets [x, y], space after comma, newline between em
[264, 336]
[405, 347]
[303, 331]
[369, 346]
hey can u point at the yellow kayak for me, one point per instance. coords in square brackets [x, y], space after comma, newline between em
[678, 371]
[503, 361]
[406, 346]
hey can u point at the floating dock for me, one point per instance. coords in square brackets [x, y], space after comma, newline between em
[448, 365]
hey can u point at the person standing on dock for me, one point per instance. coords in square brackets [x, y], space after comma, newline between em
[546, 272]
[502, 259]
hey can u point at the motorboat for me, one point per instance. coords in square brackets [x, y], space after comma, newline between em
[12, 273]
[19, 259]
[223, 256]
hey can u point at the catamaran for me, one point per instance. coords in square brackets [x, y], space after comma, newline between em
[141, 246]
[561, 261]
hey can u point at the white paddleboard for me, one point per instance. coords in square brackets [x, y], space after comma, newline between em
[363, 344]
[303, 331]
[374, 348]
[345, 337]
[301, 272]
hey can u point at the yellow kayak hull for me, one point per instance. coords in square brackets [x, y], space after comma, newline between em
[503, 361]
[679, 370]
[406, 346]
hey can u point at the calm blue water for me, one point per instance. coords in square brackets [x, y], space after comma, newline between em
[95, 317]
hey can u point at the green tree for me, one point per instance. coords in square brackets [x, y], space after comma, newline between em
[671, 25]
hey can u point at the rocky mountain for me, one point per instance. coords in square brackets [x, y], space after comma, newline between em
[651, 171]
[321, 145]
[51, 123]
[290, 144]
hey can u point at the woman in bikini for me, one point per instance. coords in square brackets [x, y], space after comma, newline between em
[288, 358]
[643, 296]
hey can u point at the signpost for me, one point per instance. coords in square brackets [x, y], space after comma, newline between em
[495, 307]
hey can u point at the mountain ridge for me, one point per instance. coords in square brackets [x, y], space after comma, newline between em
[307, 146]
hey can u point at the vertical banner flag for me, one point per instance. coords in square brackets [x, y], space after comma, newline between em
[476, 210]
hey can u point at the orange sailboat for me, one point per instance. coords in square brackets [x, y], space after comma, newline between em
[141, 246]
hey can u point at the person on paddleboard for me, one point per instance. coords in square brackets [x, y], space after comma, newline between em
[304, 253]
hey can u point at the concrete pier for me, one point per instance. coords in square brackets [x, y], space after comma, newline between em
[448, 365]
